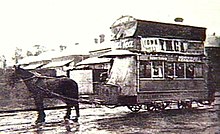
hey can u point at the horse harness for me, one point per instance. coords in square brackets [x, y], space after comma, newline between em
[36, 78]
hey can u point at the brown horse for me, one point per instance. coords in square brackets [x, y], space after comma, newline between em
[42, 87]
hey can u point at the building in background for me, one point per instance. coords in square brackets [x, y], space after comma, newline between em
[212, 51]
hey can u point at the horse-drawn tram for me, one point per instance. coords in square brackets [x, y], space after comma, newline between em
[151, 65]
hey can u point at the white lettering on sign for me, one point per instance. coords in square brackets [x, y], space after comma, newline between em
[189, 59]
[158, 58]
[123, 44]
[163, 45]
[149, 45]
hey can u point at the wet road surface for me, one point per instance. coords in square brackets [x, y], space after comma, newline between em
[102, 120]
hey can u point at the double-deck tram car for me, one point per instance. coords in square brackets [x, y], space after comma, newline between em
[151, 65]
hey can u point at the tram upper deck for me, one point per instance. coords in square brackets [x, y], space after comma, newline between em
[148, 36]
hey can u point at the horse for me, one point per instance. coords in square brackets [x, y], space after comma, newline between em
[41, 87]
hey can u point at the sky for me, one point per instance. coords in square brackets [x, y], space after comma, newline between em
[25, 23]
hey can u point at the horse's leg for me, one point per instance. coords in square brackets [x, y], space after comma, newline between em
[68, 112]
[40, 107]
[77, 110]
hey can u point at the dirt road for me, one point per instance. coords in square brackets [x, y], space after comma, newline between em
[102, 120]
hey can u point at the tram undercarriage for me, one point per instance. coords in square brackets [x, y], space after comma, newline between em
[109, 96]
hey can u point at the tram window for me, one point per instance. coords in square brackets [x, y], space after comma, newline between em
[157, 69]
[179, 70]
[145, 69]
[190, 70]
[198, 70]
[169, 69]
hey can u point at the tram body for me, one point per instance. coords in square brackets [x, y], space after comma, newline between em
[143, 78]
[147, 68]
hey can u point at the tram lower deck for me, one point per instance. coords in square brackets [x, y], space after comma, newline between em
[142, 80]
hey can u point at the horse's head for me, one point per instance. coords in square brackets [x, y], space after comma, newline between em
[21, 73]
[17, 74]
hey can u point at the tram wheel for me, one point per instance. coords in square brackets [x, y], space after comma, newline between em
[157, 106]
[151, 107]
[208, 102]
[165, 105]
[111, 106]
[184, 104]
[134, 108]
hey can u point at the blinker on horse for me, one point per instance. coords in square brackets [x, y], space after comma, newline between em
[42, 87]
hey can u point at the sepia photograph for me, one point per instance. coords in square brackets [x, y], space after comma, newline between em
[109, 67]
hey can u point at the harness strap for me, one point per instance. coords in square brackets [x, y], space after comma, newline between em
[27, 79]
[55, 94]
[66, 98]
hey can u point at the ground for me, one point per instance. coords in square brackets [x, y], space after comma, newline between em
[102, 120]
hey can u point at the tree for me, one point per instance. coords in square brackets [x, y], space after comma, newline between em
[39, 49]
[18, 55]
[29, 53]
[62, 47]
[36, 50]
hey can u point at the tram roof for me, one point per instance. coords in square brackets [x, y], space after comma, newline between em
[169, 30]
[127, 26]
[93, 60]
[33, 66]
[115, 53]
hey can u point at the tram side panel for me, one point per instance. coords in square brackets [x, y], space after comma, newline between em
[172, 90]
[173, 81]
